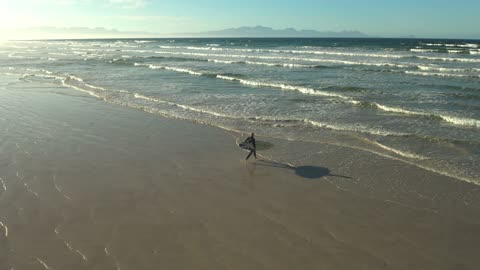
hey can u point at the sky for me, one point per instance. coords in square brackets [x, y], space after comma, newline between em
[384, 18]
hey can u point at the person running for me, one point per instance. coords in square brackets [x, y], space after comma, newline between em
[253, 148]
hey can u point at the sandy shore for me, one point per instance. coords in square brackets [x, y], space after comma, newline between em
[90, 185]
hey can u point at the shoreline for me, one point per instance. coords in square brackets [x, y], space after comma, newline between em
[93, 184]
[445, 165]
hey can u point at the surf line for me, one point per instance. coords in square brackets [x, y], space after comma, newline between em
[315, 92]
[318, 60]
[282, 86]
[388, 156]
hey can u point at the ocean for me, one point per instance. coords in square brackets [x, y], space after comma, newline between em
[412, 100]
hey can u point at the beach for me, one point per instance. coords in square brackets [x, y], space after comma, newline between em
[87, 184]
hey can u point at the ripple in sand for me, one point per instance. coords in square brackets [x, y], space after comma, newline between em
[68, 245]
[31, 191]
[3, 184]
[19, 176]
[43, 264]
[23, 149]
[5, 229]
[108, 254]
[72, 249]
[57, 187]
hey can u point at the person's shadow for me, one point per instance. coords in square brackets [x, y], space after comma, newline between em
[310, 172]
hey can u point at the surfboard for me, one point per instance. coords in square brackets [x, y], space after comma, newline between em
[261, 145]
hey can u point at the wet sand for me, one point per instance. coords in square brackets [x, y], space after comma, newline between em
[90, 185]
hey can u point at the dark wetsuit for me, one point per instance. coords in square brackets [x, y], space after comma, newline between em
[254, 150]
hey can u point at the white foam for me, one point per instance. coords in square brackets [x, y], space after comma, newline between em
[289, 65]
[422, 50]
[9, 74]
[62, 54]
[185, 107]
[455, 51]
[434, 44]
[469, 45]
[144, 41]
[442, 69]
[64, 83]
[181, 70]
[461, 121]
[451, 59]
[225, 61]
[356, 128]
[346, 54]
[440, 74]
[401, 153]
[42, 76]
[285, 51]
[398, 110]
[202, 111]
[305, 90]
[18, 47]
[14, 55]
[136, 95]
[334, 61]
[72, 77]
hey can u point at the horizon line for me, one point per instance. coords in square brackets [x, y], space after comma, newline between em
[237, 37]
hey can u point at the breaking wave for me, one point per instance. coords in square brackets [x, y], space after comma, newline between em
[317, 92]
[243, 56]
[460, 121]
[304, 90]
[401, 152]
[418, 73]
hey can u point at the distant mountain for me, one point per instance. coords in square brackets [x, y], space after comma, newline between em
[48, 32]
[261, 31]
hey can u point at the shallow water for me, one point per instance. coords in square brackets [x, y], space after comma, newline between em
[413, 100]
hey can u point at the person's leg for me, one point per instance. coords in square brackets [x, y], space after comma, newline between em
[249, 154]
[255, 153]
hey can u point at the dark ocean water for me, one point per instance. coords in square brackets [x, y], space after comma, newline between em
[408, 99]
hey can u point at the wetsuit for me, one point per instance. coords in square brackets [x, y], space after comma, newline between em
[254, 149]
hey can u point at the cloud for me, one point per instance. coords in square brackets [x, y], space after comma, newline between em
[128, 3]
